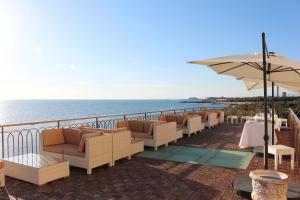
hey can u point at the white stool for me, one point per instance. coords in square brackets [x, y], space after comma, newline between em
[280, 150]
[245, 118]
[232, 118]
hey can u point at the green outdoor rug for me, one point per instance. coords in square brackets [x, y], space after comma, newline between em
[222, 158]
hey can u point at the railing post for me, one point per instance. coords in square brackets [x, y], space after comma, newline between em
[2, 135]
[161, 112]
[174, 112]
[58, 125]
[145, 116]
[97, 125]
[124, 117]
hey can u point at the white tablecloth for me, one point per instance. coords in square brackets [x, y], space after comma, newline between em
[253, 134]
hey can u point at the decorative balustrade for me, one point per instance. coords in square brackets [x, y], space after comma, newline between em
[21, 138]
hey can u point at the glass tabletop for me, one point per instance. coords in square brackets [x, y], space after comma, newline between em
[34, 160]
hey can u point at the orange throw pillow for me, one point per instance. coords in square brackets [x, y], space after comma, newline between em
[123, 124]
[53, 137]
[72, 135]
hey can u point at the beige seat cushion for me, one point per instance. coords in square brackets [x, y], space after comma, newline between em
[53, 137]
[81, 147]
[72, 135]
[136, 126]
[142, 135]
[180, 126]
[66, 149]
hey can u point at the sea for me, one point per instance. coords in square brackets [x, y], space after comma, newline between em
[18, 111]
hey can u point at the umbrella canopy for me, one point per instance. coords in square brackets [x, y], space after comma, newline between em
[279, 69]
[252, 84]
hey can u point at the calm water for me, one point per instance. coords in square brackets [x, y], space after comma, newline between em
[37, 110]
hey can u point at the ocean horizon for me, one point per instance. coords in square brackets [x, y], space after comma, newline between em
[18, 111]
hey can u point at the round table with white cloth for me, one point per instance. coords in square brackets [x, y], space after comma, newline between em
[253, 134]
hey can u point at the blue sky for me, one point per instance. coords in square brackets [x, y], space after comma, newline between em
[134, 49]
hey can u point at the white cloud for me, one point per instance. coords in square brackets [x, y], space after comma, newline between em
[72, 66]
[36, 49]
[83, 83]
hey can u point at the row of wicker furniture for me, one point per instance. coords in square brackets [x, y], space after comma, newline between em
[86, 147]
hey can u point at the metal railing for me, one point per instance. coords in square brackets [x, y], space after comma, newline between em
[21, 138]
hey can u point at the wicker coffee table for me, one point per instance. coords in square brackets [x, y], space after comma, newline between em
[36, 168]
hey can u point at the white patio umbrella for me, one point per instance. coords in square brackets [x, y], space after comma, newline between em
[280, 69]
[265, 66]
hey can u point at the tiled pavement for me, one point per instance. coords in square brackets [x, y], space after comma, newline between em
[143, 178]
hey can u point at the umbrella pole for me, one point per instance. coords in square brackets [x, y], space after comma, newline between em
[273, 112]
[266, 136]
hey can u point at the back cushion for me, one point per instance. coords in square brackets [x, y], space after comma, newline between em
[81, 147]
[123, 124]
[180, 120]
[217, 111]
[115, 130]
[171, 118]
[72, 135]
[147, 125]
[53, 137]
[162, 118]
[204, 115]
[136, 126]
[87, 130]
[84, 126]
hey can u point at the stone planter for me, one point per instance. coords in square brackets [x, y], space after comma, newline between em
[268, 184]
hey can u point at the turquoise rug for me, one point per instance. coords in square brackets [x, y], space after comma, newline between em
[222, 158]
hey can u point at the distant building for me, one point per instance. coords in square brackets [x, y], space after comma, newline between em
[283, 94]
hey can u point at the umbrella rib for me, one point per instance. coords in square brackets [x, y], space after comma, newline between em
[219, 64]
[288, 70]
[295, 71]
[275, 70]
[232, 68]
[260, 67]
[253, 86]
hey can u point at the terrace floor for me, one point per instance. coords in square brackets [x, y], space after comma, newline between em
[143, 178]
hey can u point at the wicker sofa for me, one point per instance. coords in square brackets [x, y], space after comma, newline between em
[208, 118]
[190, 124]
[82, 148]
[153, 133]
[123, 144]
[220, 115]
